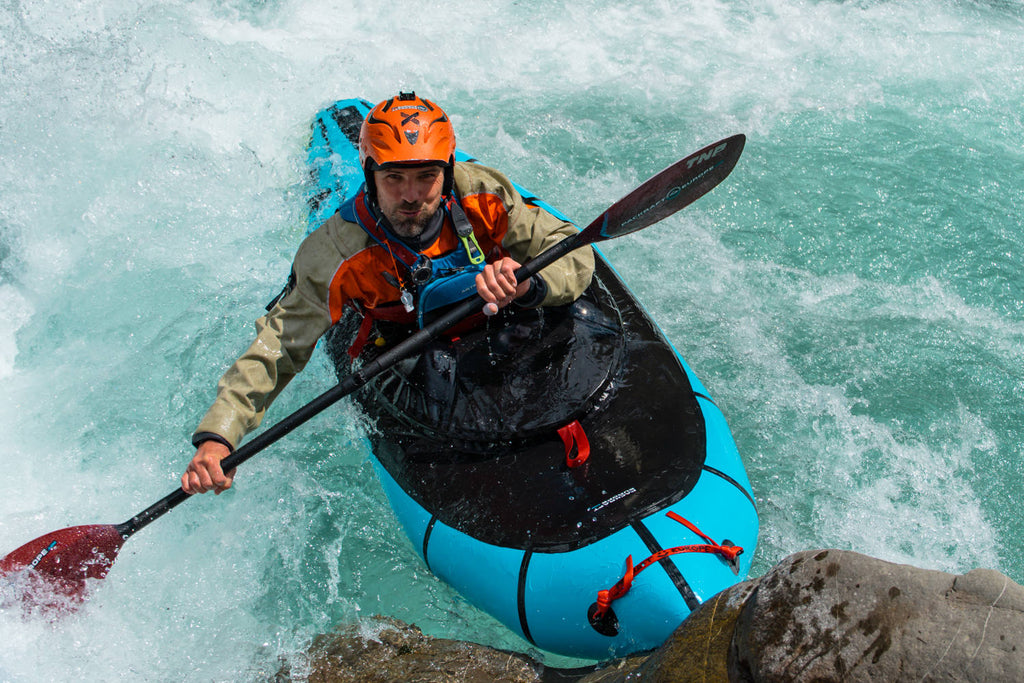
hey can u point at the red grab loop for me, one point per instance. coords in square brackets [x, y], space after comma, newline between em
[605, 598]
[729, 552]
[573, 434]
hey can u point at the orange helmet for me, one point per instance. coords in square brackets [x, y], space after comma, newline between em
[406, 130]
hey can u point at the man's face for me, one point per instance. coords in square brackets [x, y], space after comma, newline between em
[409, 196]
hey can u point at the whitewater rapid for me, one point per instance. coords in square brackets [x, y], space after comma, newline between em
[852, 295]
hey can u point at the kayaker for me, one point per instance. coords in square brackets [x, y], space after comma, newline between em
[423, 232]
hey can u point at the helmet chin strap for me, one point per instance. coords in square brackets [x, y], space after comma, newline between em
[371, 186]
[449, 180]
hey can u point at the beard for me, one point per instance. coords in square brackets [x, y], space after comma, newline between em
[405, 225]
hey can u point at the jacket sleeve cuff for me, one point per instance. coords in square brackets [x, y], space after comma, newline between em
[200, 437]
[534, 295]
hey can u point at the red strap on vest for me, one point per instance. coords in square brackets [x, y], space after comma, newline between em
[365, 327]
[373, 229]
[394, 313]
[605, 598]
[573, 434]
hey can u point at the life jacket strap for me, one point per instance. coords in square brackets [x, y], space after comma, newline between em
[464, 229]
[369, 223]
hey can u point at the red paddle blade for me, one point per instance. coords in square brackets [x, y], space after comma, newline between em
[51, 571]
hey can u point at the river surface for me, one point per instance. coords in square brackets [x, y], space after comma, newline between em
[852, 295]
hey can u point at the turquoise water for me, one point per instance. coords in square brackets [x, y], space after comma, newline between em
[852, 295]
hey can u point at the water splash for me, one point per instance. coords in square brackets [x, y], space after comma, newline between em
[851, 296]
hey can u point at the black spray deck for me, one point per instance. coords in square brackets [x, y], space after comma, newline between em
[469, 428]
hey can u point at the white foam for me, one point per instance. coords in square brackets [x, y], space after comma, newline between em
[152, 161]
[15, 310]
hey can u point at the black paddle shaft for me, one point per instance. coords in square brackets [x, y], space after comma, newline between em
[677, 186]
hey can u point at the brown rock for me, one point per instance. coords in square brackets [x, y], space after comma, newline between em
[395, 651]
[819, 616]
[833, 615]
[698, 650]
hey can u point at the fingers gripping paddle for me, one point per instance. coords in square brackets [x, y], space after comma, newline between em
[61, 562]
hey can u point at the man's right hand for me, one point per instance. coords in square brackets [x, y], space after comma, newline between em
[497, 286]
[204, 472]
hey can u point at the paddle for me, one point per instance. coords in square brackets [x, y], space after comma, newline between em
[64, 560]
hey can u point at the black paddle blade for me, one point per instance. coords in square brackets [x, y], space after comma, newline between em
[52, 571]
[677, 186]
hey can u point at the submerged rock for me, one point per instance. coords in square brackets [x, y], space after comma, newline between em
[820, 616]
[395, 651]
